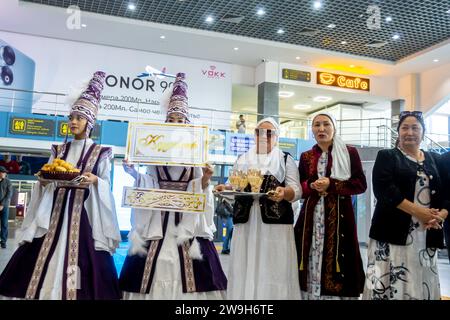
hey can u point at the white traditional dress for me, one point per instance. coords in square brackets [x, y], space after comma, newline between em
[171, 254]
[68, 236]
[263, 261]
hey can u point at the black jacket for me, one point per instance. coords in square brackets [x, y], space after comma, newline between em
[444, 169]
[6, 192]
[394, 179]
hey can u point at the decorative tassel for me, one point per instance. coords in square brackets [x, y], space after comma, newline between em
[194, 251]
[338, 268]
[82, 155]
[303, 235]
[137, 244]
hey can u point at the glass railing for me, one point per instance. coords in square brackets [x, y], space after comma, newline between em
[372, 132]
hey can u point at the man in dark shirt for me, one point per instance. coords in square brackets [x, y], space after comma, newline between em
[5, 197]
[445, 173]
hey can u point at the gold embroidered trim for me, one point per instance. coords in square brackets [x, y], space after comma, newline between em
[46, 245]
[188, 268]
[74, 237]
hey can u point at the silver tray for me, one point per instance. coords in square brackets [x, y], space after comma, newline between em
[239, 193]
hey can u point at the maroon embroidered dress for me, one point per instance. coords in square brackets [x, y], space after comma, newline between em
[327, 224]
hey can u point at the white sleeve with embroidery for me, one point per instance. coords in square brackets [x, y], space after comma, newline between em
[198, 224]
[37, 217]
[293, 178]
[101, 210]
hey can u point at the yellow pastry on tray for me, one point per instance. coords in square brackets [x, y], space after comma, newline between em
[59, 170]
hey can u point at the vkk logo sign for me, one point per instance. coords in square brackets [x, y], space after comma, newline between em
[212, 73]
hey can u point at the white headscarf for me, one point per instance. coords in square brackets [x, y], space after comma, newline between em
[269, 163]
[341, 167]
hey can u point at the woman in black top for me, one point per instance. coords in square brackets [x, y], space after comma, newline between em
[406, 226]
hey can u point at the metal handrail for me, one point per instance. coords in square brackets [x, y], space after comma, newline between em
[438, 147]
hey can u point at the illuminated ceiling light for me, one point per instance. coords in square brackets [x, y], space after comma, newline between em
[297, 58]
[331, 26]
[322, 99]
[84, 25]
[448, 11]
[302, 107]
[317, 5]
[260, 12]
[280, 31]
[131, 6]
[236, 48]
[344, 42]
[209, 19]
[162, 37]
[436, 60]
[285, 94]
[396, 37]
[388, 19]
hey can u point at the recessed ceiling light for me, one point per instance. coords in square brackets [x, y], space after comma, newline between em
[352, 66]
[343, 42]
[331, 26]
[396, 37]
[388, 19]
[84, 25]
[280, 31]
[236, 48]
[436, 60]
[162, 37]
[209, 19]
[285, 94]
[298, 58]
[302, 106]
[322, 99]
[260, 12]
[131, 6]
[317, 5]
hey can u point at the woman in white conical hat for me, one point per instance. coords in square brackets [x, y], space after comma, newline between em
[172, 254]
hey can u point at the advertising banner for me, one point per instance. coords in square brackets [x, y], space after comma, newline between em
[137, 86]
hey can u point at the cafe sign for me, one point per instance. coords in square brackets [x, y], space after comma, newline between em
[343, 81]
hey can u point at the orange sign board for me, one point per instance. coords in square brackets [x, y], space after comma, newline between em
[343, 81]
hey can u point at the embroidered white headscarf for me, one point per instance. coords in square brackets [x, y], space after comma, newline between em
[269, 163]
[341, 167]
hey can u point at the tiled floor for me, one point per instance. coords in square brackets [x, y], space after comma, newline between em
[119, 257]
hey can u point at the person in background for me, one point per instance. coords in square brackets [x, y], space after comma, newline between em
[240, 124]
[330, 264]
[444, 164]
[24, 166]
[406, 229]
[225, 211]
[10, 165]
[6, 191]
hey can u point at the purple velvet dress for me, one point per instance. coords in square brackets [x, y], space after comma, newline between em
[89, 273]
